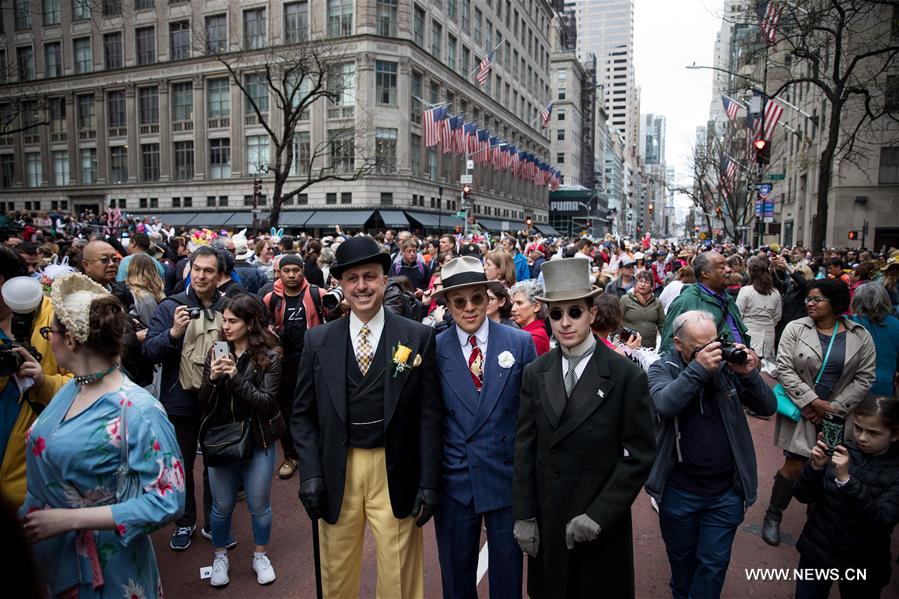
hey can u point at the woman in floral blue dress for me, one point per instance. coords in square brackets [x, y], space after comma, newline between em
[88, 520]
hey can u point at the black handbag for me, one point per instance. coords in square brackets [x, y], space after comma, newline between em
[227, 444]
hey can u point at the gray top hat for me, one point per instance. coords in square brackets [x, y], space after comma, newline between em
[566, 280]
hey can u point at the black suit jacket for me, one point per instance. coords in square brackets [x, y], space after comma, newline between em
[587, 454]
[412, 413]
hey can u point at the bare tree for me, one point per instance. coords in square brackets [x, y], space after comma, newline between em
[281, 84]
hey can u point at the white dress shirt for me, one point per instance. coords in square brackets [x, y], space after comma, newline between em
[480, 336]
[375, 327]
[578, 350]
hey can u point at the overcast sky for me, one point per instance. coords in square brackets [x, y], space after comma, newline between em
[668, 35]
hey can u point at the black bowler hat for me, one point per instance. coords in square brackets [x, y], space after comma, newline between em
[357, 251]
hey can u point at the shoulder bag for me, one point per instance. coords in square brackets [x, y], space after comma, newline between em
[785, 405]
[228, 443]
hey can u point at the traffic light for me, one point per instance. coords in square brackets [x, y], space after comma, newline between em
[529, 221]
[651, 208]
[762, 151]
[257, 188]
[718, 211]
[466, 192]
[854, 236]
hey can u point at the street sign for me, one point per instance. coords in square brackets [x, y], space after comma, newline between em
[460, 214]
[463, 179]
[775, 176]
[764, 190]
[469, 164]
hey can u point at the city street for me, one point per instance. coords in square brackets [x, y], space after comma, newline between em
[291, 549]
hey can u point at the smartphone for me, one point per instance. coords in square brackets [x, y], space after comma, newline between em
[220, 350]
[833, 428]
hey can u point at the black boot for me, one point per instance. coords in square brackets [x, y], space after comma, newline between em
[781, 494]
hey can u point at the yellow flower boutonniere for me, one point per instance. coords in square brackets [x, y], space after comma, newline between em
[401, 355]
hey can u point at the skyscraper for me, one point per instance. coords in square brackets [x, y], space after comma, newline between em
[652, 138]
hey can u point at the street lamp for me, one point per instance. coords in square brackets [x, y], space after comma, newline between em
[756, 84]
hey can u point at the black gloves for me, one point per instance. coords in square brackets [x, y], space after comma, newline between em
[311, 496]
[425, 505]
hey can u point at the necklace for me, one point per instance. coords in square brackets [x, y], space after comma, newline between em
[85, 379]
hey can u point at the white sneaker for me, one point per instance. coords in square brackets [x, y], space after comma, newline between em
[265, 574]
[220, 570]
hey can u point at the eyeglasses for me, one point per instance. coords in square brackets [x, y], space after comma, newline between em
[815, 300]
[106, 260]
[491, 298]
[45, 332]
[476, 300]
[574, 312]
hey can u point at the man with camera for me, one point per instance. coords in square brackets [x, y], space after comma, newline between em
[182, 330]
[704, 476]
[25, 353]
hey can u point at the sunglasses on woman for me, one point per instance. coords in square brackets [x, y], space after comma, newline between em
[574, 312]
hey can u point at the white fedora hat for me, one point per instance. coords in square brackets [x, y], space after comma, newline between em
[462, 272]
[567, 279]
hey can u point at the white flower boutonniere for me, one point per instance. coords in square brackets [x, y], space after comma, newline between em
[506, 359]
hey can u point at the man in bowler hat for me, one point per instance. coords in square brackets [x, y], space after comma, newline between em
[585, 445]
[367, 427]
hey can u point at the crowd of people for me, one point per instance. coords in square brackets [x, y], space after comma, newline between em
[520, 384]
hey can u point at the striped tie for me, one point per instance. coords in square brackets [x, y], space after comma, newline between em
[364, 351]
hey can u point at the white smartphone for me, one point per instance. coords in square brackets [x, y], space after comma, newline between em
[220, 350]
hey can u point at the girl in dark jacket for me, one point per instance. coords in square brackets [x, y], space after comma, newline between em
[853, 502]
[243, 387]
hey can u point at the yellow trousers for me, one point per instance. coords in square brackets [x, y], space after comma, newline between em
[399, 543]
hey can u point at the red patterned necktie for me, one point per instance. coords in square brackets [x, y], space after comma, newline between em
[476, 363]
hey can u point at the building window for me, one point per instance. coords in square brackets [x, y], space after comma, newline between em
[451, 10]
[385, 150]
[436, 39]
[296, 22]
[149, 105]
[33, 174]
[562, 93]
[184, 160]
[466, 15]
[149, 162]
[145, 4]
[187, 202]
[219, 158]
[386, 198]
[257, 153]
[385, 82]
[415, 100]
[57, 112]
[432, 164]
[81, 10]
[176, 202]
[115, 111]
[182, 102]
[418, 26]
[301, 154]
[340, 18]
[146, 45]
[22, 10]
[83, 55]
[560, 135]
[889, 166]
[415, 154]
[210, 201]
[342, 85]
[112, 8]
[257, 92]
[342, 150]
[179, 40]
[112, 50]
[216, 34]
[52, 60]
[386, 18]
[254, 29]
[477, 25]
[451, 52]
[561, 115]
[25, 62]
[330, 198]
[60, 168]
[86, 113]
[218, 98]
[464, 61]
[346, 197]
[7, 170]
[560, 158]
[302, 199]
[118, 164]
[89, 166]
[892, 92]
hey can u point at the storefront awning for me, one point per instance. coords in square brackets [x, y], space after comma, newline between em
[495, 226]
[210, 218]
[393, 218]
[431, 220]
[244, 219]
[294, 218]
[547, 230]
[174, 219]
[354, 219]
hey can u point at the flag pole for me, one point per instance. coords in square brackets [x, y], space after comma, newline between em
[478, 66]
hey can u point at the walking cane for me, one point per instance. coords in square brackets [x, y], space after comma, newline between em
[316, 560]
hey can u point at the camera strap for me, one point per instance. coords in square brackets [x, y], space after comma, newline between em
[827, 355]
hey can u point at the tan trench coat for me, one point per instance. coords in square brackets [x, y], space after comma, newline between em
[799, 357]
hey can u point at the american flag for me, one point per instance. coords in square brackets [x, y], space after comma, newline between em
[769, 15]
[773, 112]
[458, 139]
[444, 134]
[493, 151]
[483, 146]
[730, 107]
[471, 138]
[431, 124]
[546, 114]
[728, 174]
[484, 69]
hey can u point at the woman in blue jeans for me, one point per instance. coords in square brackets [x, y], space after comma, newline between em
[242, 387]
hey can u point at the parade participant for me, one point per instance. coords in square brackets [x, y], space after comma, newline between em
[684, 276]
[409, 264]
[242, 387]
[367, 427]
[709, 294]
[179, 337]
[499, 265]
[522, 272]
[825, 363]
[480, 364]
[853, 496]
[871, 308]
[761, 307]
[499, 304]
[624, 282]
[140, 244]
[529, 312]
[104, 468]
[572, 516]
[705, 472]
[642, 311]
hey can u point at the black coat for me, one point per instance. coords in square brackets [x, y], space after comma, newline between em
[591, 457]
[413, 415]
[850, 527]
[251, 393]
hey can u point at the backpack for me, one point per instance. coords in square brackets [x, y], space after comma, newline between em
[272, 301]
[411, 307]
[199, 337]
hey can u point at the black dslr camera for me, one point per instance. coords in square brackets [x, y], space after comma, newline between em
[10, 360]
[731, 353]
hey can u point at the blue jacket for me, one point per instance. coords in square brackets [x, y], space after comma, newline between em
[522, 270]
[479, 428]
